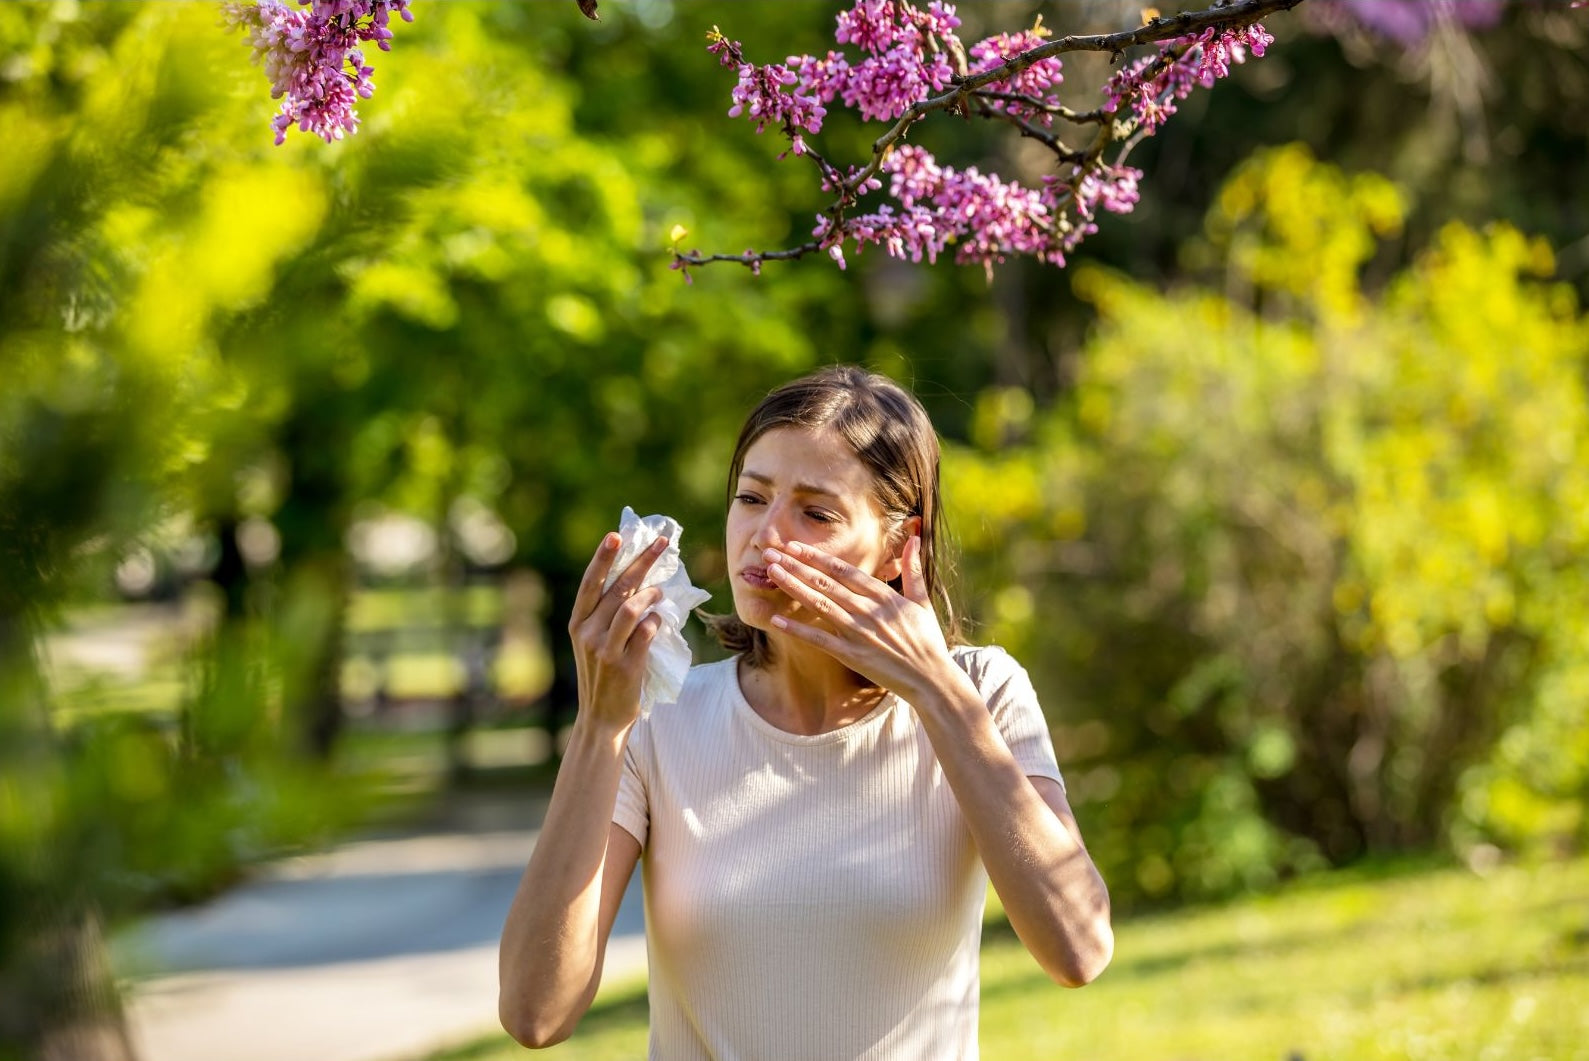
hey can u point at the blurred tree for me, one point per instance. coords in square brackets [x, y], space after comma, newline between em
[1296, 554]
[454, 306]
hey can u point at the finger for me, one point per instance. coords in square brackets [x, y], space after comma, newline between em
[810, 634]
[589, 592]
[828, 585]
[812, 589]
[645, 633]
[914, 582]
[628, 618]
[843, 573]
[628, 582]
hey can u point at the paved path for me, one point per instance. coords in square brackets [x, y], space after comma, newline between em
[380, 950]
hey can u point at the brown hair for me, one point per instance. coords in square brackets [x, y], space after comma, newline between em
[886, 427]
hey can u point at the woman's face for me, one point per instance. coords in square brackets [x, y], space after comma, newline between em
[808, 486]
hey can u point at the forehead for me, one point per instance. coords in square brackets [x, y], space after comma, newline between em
[798, 456]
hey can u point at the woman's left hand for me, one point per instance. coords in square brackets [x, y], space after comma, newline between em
[889, 637]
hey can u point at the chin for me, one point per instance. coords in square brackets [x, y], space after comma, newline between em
[756, 614]
[756, 610]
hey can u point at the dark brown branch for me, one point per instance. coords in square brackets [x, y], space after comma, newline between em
[750, 258]
[1162, 28]
[1058, 110]
[1063, 151]
[1241, 13]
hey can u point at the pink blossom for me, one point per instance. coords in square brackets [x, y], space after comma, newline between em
[310, 52]
[1035, 81]
[1151, 87]
[898, 58]
[983, 217]
[1114, 188]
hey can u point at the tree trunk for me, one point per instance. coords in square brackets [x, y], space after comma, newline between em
[315, 568]
[58, 998]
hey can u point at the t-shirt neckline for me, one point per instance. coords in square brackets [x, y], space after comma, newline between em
[753, 717]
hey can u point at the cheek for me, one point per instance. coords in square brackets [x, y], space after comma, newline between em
[853, 547]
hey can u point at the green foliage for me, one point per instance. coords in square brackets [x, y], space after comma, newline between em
[468, 302]
[1294, 556]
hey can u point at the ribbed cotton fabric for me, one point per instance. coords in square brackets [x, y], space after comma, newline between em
[811, 898]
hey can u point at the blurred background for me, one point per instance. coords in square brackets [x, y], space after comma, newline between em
[1280, 490]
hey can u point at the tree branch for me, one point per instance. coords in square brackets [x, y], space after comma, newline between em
[1063, 151]
[1058, 110]
[968, 87]
[1161, 28]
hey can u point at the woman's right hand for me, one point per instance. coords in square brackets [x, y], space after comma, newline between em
[610, 638]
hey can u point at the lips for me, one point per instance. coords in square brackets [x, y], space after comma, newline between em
[756, 578]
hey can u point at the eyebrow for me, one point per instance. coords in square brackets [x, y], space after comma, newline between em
[799, 488]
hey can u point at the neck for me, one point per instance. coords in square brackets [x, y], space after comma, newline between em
[807, 691]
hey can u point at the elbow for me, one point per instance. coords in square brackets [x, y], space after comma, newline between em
[530, 1029]
[1086, 963]
[1085, 950]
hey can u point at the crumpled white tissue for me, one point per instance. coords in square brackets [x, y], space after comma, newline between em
[669, 658]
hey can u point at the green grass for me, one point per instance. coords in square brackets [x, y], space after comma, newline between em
[1411, 965]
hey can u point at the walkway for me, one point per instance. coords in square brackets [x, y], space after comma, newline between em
[381, 950]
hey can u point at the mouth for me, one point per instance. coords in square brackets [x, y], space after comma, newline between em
[756, 578]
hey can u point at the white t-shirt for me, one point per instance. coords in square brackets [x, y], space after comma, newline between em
[811, 897]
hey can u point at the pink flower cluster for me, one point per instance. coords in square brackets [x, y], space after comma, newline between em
[903, 59]
[769, 94]
[985, 218]
[311, 54]
[1151, 87]
[906, 55]
[1033, 84]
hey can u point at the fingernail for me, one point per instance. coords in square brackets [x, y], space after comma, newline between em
[794, 548]
[610, 542]
[659, 545]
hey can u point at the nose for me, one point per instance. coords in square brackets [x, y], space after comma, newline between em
[772, 530]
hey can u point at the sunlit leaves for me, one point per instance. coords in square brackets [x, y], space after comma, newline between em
[1333, 550]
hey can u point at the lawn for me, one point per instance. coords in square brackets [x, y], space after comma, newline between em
[1410, 964]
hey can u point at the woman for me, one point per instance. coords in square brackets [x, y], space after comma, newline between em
[819, 815]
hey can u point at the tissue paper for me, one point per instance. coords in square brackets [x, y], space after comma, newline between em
[669, 658]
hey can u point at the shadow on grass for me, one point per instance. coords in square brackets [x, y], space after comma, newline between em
[623, 1008]
[1494, 976]
[998, 932]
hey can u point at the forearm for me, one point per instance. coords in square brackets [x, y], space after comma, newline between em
[551, 951]
[1052, 893]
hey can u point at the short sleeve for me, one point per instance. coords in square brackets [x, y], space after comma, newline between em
[1007, 690]
[632, 811]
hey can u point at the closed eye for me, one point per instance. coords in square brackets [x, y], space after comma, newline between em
[747, 499]
[818, 515]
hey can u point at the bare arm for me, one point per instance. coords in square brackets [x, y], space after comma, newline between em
[555, 938]
[1026, 834]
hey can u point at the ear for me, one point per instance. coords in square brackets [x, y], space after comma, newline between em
[893, 566]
